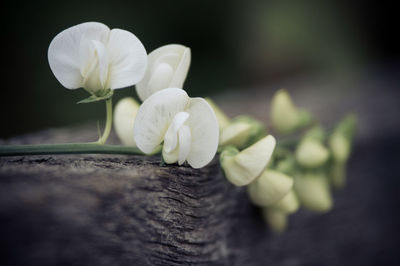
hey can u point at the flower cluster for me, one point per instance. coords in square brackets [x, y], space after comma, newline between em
[280, 175]
[296, 172]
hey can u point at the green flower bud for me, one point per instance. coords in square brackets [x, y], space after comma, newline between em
[340, 147]
[311, 153]
[241, 168]
[269, 188]
[313, 192]
[341, 138]
[288, 204]
[347, 126]
[285, 117]
[235, 134]
[275, 218]
[242, 132]
[222, 118]
[337, 172]
[316, 133]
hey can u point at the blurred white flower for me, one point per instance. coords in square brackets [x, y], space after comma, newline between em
[92, 56]
[168, 67]
[187, 127]
[124, 117]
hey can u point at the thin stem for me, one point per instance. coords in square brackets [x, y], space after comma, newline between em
[67, 148]
[107, 129]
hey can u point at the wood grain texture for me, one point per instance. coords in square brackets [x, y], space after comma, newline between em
[129, 210]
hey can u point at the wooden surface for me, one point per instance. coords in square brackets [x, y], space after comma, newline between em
[129, 210]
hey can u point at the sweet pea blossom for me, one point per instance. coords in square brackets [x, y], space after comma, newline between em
[92, 56]
[168, 67]
[187, 127]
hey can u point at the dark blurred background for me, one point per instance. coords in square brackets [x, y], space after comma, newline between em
[235, 45]
[333, 56]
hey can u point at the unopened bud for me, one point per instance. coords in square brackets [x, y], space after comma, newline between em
[337, 173]
[241, 168]
[242, 132]
[311, 154]
[313, 192]
[289, 203]
[269, 188]
[341, 138]
[124, 118]
[340, 147]
[285, 117]
[275, 218]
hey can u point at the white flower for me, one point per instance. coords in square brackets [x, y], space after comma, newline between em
[187, 126]
[124, 117]
[92, 56]
[168, 68]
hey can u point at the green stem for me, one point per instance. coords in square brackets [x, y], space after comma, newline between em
[107, 129]
[67, 148]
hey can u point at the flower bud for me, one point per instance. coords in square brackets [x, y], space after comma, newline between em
[241, 168]
[269, 188]
[311, 152]
[124, 118]
[288, 204]
[223, 119]
[313, 192]
[285, 117]
[337, 173]
[242, 132]
[341, 138]
[340, 147]
[275, 218]
[235, 134]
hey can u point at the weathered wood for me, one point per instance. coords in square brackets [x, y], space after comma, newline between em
[129, 210]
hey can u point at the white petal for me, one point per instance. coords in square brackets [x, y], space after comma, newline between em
[64, 51]
[102, 55]
[182, 69]
[155, 115]
[177, 57]
[204, 131]
[161, 76]
[256, 157]
[124, 117]
[171, 137]
[128, 59]
[97, 72]
[185, 140]
[170, 157]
